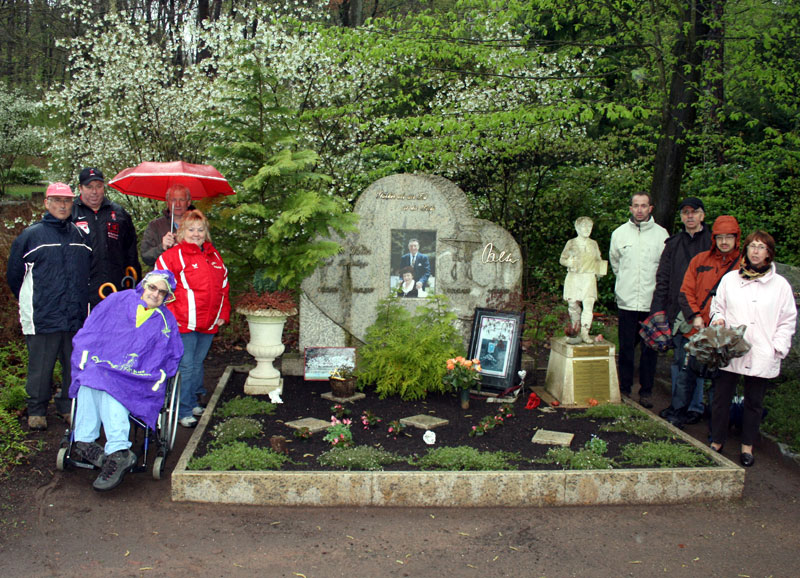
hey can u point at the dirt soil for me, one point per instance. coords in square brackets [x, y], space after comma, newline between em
[302, 399]
[53, 524]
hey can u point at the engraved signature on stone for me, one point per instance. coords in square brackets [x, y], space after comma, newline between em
[489, 255]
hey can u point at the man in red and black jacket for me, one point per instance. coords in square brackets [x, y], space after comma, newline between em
[111, 235]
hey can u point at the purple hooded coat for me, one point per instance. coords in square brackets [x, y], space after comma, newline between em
[132, 364]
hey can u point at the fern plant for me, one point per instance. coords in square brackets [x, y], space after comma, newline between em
[405, 354]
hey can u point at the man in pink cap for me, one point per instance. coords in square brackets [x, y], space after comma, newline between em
[48, 272]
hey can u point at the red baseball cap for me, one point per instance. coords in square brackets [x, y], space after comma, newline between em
[59, 190]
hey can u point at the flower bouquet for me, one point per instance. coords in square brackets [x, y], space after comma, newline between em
[463, 375]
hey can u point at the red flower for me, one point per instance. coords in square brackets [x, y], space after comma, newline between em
[533, 401]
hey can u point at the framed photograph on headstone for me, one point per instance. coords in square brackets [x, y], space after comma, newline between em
[413, 262]
[495, 341]
[321, 361]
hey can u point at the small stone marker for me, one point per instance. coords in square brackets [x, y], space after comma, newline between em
[313, 424]
[552, 438]
[355, 397]
[423, 421]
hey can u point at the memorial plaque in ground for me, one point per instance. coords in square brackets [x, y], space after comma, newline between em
[416, 235]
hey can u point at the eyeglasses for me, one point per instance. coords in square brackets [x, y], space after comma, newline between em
[60, 200]
[162, 292]
[755, 247]
[691, 212]
[726, 237]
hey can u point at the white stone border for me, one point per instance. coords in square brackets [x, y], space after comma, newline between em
[454, 489]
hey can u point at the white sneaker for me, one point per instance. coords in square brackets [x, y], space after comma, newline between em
[198, 411]
[190, 421]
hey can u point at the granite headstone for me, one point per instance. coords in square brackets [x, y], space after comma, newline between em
[409, 223]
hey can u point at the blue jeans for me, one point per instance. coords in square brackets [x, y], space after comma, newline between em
[195, 349]
[95, 407]
[678, 360]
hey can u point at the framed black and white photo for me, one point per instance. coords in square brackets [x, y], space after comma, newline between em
[321, 361]
[495, 342]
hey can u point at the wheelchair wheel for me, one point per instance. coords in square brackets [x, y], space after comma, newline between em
[168, 420]
[158, 467]
[61, 459]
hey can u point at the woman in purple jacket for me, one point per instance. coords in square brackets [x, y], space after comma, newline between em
[122, 359]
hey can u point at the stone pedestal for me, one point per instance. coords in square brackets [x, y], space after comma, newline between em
[577, 373]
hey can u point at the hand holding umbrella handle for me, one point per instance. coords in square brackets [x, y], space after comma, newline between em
[168, 241]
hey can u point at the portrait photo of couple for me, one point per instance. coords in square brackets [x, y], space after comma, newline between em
[413, 262]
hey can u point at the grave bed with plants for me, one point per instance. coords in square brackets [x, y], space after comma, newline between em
[240, 435]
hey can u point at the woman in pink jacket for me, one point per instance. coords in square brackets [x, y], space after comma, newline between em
[201, 304]
[757, 297]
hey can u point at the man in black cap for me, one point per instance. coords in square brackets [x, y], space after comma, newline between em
[111, 235]
[679, 249]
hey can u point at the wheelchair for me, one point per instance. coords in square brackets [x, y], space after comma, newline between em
[142, 436]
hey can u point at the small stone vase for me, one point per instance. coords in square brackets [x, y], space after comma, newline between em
[464, 397]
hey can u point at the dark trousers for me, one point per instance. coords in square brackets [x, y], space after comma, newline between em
[628, 340]
[724, 390]
[43, 351]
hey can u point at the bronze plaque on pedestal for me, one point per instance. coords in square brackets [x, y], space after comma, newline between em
[590, 379]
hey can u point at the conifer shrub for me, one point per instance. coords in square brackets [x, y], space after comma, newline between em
[405, 354]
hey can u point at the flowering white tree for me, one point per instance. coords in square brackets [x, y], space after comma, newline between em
[464, 95]
[17, 134]
[125, 103]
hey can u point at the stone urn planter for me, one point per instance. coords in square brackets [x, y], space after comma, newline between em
[266, 331]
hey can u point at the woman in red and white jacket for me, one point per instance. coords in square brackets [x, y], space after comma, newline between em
[201, 304]
[758, 298]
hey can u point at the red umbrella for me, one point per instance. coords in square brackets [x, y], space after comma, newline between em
[153, 179]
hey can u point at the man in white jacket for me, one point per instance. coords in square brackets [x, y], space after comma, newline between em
[634, 255]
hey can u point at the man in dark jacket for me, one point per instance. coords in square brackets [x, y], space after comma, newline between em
[419, 262]
[111, 235]
[698, 288]
[679, 249]
[48, 272]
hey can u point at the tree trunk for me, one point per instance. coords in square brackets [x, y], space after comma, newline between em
[679, 115]
[715, 87]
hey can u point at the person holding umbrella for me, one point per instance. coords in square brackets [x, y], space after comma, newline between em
[160, 234]
[758, 298]
[112, 236]
[201, 304]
